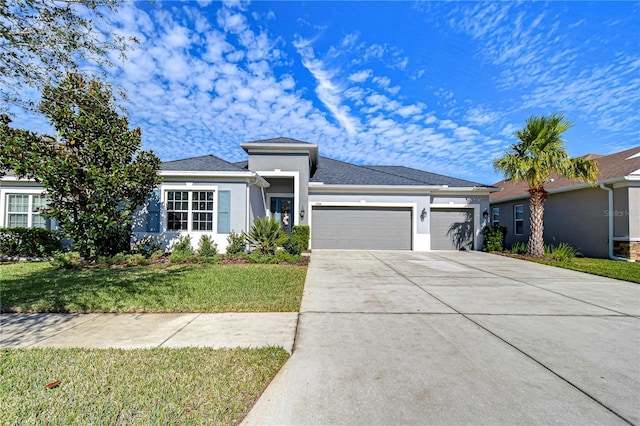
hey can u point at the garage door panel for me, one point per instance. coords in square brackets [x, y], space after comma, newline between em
[361, 228]
[452, 229]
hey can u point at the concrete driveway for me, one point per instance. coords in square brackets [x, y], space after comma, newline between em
[457, 338]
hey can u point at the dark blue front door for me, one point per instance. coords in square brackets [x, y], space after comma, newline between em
[282, 210]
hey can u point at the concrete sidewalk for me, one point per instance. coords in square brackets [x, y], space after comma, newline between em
[450, 338]
[129, 331]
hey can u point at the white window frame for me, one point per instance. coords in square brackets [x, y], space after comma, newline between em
[516, 220]
[29, 213]
[495, 216]
[190, 188]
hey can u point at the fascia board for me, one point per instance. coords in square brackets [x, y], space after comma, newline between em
[320, 187]
[205, 174]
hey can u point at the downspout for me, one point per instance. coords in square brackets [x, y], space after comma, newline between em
[610, 215]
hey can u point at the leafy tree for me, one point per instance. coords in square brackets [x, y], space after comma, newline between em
[539, 153]
[43, 40]
[93, 171]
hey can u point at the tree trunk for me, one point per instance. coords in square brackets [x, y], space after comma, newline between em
[536, 234]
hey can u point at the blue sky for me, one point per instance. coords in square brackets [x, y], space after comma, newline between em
[439, 86]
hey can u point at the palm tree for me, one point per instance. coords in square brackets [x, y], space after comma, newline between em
[539, 153]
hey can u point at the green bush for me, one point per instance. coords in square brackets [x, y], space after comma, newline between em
[236, 244]
[265, 235]
[183, 245]
[137, 260]
[282, 256]
[67, 260]
[563, 251]
[31, 242]
[493, 237]
[157, 255]
[206, 247]
[519, 247]
[303, 233]
[146, 245]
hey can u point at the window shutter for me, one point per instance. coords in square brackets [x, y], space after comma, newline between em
[224, 212]
[153, 211]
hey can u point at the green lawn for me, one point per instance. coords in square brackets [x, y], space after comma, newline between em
[627, 271]
[147, 386]
[38, 287]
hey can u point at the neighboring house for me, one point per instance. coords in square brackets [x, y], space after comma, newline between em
[347, 206]
[600, 222]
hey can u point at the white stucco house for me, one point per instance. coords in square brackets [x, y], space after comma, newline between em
[347, 206]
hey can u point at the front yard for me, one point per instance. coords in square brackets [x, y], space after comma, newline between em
[37, 287]
[142, 386]
[627, 271]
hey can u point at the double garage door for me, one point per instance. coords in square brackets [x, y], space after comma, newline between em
[385, 228]
[361, 228]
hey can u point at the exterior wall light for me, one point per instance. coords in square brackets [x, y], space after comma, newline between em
[423, 215]
[485, 214]
[302, 213]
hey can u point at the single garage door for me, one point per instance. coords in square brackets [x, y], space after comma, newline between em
[451, 229]
[361, 228]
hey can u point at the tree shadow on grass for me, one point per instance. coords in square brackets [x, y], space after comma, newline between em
[91, 290]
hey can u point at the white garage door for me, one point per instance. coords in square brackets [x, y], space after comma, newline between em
[451, 229]
[361, 228]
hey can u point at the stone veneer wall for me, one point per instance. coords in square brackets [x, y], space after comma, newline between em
[627, 249]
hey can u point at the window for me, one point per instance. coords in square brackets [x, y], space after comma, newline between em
[23, 210]
[153, 212]
[495, 216]
[193, 208]
[518, 219]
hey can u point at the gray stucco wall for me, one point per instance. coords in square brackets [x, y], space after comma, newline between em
[575, 217]
[264, 162]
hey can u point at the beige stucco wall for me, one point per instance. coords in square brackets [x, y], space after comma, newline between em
[575, 217]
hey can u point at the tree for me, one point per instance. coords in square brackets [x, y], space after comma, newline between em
[43, 40]
[93, 171]
[539, 153]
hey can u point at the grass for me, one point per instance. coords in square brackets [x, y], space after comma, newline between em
[38, 287]
[627, 271]
[146, 386]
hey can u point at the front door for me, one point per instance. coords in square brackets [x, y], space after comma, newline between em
[282, 210]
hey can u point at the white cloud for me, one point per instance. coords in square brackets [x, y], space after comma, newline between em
[360, 76]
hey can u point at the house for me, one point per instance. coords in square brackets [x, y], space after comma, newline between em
[347, 206]
[601, 221]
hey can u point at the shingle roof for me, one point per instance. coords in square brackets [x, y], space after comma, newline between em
[205, 163]
[334, 172]
[611, 166]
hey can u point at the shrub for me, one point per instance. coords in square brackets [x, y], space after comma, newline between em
[67, 260]
[206, 247]
[183, 245]
[32, 242]
[157, 255]
[265, 235]
[302, 232]
[519, 247]
[137, 260]
[179, 256]
[493, 237]
[293, 245]
[146, 245]
[236, 244]
[563, 251]
[282, 256]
